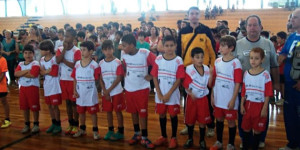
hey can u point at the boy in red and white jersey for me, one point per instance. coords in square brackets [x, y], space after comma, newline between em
[28, 71]
[196, 82]
[85, 73]
[111, 75]
[52, 91]
[227, 75]
[167, 73]
[66, 57]
[137, 85]
[256, 90]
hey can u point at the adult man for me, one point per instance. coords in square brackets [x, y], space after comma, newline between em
[292, 87]
[196, 35]
[243, 47]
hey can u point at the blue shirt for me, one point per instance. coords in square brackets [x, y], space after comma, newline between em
[287, 50]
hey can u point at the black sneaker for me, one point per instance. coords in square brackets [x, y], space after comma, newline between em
[202, 145]
[189, 143]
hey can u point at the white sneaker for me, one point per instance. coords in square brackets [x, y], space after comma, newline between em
[184, 131]
[261, 145]
[25, 129]
[217, 145]
[230, 147]
[210, 132]
[35, 129]
[79, 133]
[96, 135]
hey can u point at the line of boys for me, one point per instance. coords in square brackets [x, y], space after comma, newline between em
[77, 86]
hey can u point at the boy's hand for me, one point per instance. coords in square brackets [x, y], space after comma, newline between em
[148, 77]
[167, 97]
[243, 111]
[160, 96]
[106, 94]
[48, 71]
[231, 104]
[264, 113]
[75, 95]
[190, 93]
[212, 101]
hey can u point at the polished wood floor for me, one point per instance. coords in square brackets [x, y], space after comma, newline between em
[11, 137]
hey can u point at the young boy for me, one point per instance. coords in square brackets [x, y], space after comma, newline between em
[227, 75]
[80, 37]
[196, 83]
[52, 91]
[85, 72]
[3, 91]
[118, 37]
[28, 71]
[136, 62]
[141, 41]
[255, 99]
[167, 73]
[112, 73]
[66, 57]
[60, 41]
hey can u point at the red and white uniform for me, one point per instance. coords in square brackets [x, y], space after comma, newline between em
[71, 55]
[51, 82]
[255, 89]
[226, 74]
[34, 68]
[136, 69]
[85, 79]
[109, 72]
[167, 72]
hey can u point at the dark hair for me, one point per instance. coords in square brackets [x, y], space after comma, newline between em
[72, 32]
[197, 50]
[156, 30]
[234, 34]
[282, 34]
[116, 25]
[142, 33]
[66, 25]
[258, 50]
[169, 30]
[61, 31]
[169, 38]
[28, 47]
[107, 44]
[78, 26]
[88, 44]
[273, 39]
[225, 22]
[119, 33]
[255, 16]
[21, 33]
[37, 32]
[265, 33]
[103, 36]
[94, 37]
[127, 29]
[193, 8]
[143, 22]
[129, 39]
[224, 31]
[81, 34]
[229, 41]
[47, 45]
[179, 21]
[150, 23]
[91, 28]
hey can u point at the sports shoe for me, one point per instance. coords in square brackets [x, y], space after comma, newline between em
[6, 124]
[173, 143]
[35, 129]
[147, 143]
[210, 132]
[189, 143]
[280, 102]
[184, 131]
[68, 130]
[25, 129]
[161, 141]
[56, 130]
[117, 136]
[74, 130]
[218, 145]
[108, 135]
[50, 129]
[96, 135]
[261, 145]
[230, 147]
[134, 139]
[79, 133]
[202, 145]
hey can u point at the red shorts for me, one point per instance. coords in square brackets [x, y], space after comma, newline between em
[228, 114]
[137, 102]
[116, 103]
[67, 90]
[252, 118]
[173, 110]
[53, 99]
[197, 110]
[29, 98]
[90, 109]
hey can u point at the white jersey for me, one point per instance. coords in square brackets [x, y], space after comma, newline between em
[109, 72]
[86, 87]
[196, 82]
[257, 87]
[51, 82]
[137, 69]
[227, 74]
[71, 55]
[58, 44]
[34, 68]
[167, 72]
